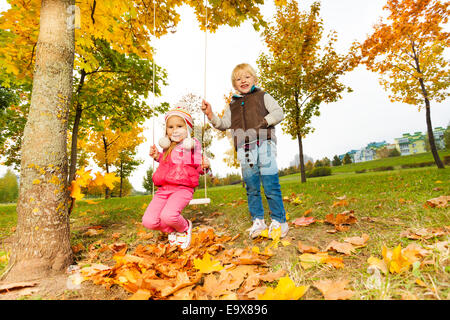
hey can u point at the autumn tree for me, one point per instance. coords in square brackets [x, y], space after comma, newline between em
[114, 148]
[299, 72]
[45, 56]
[407, 50]
[41, 243]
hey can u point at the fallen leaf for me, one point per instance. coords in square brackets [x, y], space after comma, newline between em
[378, 263]
[358, 241]
[285, 290]
[340, 203]
[207, 264]
[141, 294]
[341, 247]
[306, 249]
[303, 221]
[334, 290]
[439, 202]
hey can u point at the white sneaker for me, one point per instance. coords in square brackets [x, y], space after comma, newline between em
[184, 238]
[276, 226]
[258, 226]
[172, 238]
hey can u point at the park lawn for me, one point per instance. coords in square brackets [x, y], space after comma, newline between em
[395, 162]
[384, 203]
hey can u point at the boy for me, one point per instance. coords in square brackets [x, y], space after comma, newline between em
[252, 116]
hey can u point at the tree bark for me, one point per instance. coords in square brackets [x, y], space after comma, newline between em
[75, 129]
[300, 156]
[41, 243]
[431, 140]
[105, 145]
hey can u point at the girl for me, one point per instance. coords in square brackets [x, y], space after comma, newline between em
[180, 165]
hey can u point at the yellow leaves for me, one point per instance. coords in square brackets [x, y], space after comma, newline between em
[285, 290]
[397, 260]
[394, 259]
[109, 180]
[36, 181]
[280, 3]
[75, 191]
[207, 264]
[84, 179]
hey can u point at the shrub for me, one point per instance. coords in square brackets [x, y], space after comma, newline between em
[447, 159]
[319, 172]
[360, 171]
[417, 165]
[386, 168]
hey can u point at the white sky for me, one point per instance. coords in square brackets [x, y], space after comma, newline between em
[363, 116]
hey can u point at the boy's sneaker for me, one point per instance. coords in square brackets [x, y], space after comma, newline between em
[184, 238]
[277, 227]
[172, 238]
[258, 226]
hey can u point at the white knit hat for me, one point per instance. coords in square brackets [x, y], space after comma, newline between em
[188, 143]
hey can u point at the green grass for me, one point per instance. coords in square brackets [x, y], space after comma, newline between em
[395, 162]
[385, 204]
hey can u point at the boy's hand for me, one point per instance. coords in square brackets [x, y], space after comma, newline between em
[206, 109]
[205, 163]
[154, 153]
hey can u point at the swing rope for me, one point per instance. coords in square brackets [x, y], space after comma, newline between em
[193, 201]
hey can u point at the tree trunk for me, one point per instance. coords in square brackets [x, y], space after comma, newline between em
[41, 244]
[431, 140]
[105, 145]
[75, 129]
[300, 156]
[433, 148]
[121, 178]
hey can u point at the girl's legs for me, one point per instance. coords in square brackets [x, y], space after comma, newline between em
[171, 218]
[151, 219]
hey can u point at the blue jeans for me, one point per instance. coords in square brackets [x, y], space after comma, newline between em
[259, 165]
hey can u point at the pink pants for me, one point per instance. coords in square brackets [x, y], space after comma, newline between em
[164, 211]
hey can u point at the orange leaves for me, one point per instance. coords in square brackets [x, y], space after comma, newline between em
[334, 290]
[341, 220]
[203, 271]
[439, 202]
[303, 221]
[407, 49]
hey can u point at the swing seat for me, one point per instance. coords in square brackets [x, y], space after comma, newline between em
[200, 201]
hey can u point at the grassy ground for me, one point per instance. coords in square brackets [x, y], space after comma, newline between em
[395, 162]
[385, 204]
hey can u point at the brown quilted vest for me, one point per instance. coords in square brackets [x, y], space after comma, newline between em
[247, 117]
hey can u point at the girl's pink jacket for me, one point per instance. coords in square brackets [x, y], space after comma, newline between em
[181, 167]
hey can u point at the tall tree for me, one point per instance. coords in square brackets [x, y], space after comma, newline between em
[407, 50]
[113, 149]
[42, 240]
[300, 72]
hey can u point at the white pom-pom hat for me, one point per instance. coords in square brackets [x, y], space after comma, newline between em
[188, 143]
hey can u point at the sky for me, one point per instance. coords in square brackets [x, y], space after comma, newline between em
[360, 117]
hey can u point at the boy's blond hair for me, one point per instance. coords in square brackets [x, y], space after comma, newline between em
[240, 68]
